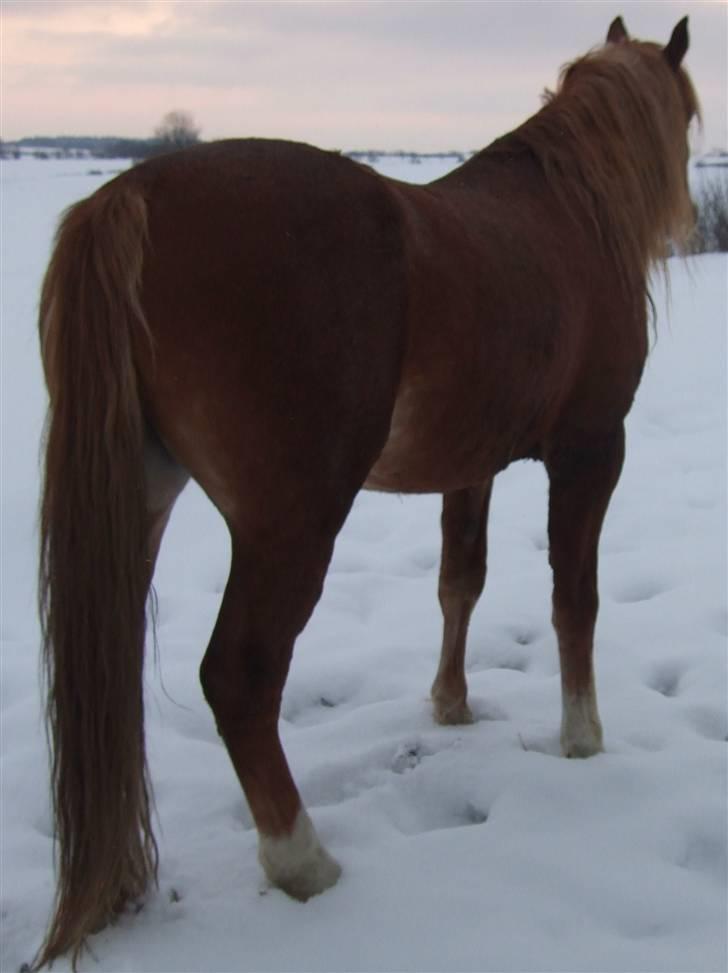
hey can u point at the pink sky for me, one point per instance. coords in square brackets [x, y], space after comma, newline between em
[410, 74]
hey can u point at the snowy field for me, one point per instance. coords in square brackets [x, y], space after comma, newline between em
[464, 848]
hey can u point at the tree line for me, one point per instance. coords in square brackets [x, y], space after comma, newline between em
[176, 130]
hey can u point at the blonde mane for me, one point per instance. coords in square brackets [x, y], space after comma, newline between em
[612, 142]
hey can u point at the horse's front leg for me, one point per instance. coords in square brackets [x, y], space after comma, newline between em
[581, 483]
[462, 576]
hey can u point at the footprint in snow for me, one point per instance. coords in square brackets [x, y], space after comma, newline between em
[640, 589]
[665, 678]
[540, 541]
[408, 756]
[709, 721]
[704, 852]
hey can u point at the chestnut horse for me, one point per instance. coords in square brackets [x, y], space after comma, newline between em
[288, 327]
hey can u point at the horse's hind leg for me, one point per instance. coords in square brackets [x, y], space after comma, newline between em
[275, 580]
[581, 482]
[462, 576]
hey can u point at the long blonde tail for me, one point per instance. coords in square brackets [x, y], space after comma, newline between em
[94, 572]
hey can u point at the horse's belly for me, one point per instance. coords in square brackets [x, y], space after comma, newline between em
[433, 446]
[395, 471]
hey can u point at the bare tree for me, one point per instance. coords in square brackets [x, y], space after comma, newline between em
[177, 129]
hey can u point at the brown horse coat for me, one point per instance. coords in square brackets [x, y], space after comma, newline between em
[287, 326]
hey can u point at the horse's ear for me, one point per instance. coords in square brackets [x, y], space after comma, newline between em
[617, 33]
[677, 45]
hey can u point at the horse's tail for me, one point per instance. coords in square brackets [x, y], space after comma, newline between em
[94, 567]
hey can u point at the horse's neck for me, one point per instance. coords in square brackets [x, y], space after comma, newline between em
[505, 160]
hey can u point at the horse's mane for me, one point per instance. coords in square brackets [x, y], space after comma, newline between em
[612, 144]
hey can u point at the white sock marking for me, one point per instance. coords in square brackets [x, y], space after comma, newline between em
[298, 863]
[581, 728]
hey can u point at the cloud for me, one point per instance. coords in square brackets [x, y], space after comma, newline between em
[408, 73]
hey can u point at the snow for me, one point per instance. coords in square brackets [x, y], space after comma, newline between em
[463, 848]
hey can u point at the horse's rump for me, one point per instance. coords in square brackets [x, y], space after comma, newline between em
[262, 364]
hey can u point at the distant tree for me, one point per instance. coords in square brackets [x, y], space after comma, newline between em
[176, 130]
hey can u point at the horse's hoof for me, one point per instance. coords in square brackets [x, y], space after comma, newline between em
[579, 751]
[323, 875]
[581, 728]
[586, 745]
[298, 863]
[452, 714]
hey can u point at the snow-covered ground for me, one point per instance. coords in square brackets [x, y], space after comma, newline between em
[464, 848]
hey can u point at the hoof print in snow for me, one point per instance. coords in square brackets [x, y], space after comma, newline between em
[475, 815]
[547, 745]
[540, 541]
[525, 636]
[327, 702]
[44, 826]
[641, 589]
[513, 663]
[665, 679]
[425, 559]
[407, 757]
[708, 721]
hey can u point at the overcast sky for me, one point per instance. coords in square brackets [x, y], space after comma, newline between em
[361, 74]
